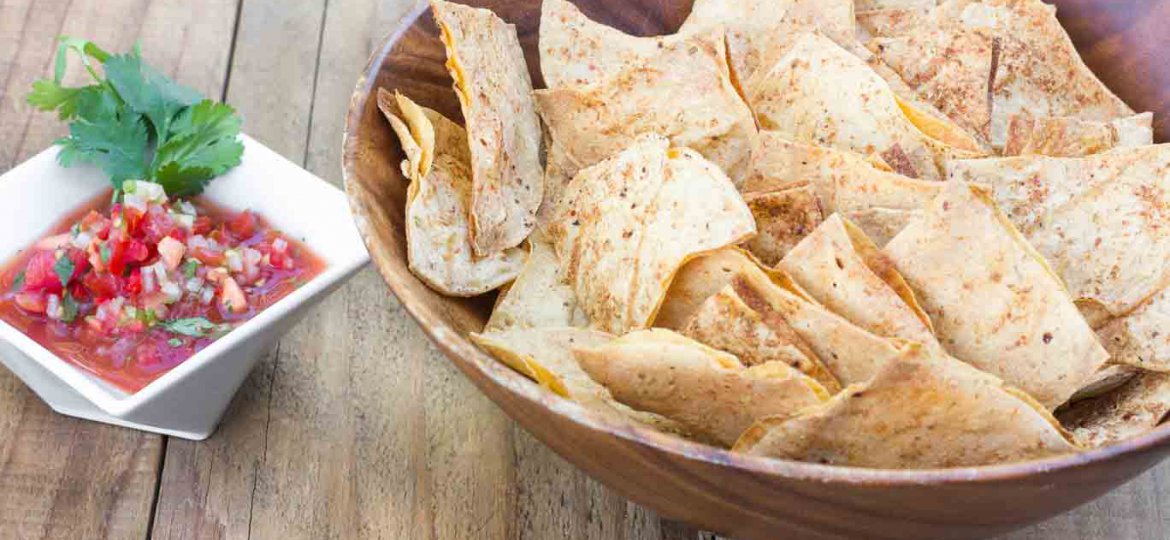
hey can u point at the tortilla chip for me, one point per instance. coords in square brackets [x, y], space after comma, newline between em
[545, 355]
[1099, 220]
[394, 107]
[759, 29]
[495, 92]
[576, 50]
[538, 298]
[845, 272]
[1131, 410]
[685, 93]
[783, 217]
[882, 224]
[870, 5]
[626, 225]
[725, 322]
[707, 391]
[850, 354]
[993, 300]
[922, 410]
[948, 56]
[1072, 137]
[1107, 379]
[1142, 338]
[887, 22]
[819, 93]
[438, 248]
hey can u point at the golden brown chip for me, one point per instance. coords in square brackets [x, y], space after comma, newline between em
[699, 279]
[882, 224]
[993, 300]
[707, 391]
[495, 92]
[845, 272]
[783, 218]
[685, 93]
[920, 411]
[625, 226]
[1131, 410]
[1072, 137]
[545, 355]
[538, 298]
[438, 247]
[948, 56]
[576, 50]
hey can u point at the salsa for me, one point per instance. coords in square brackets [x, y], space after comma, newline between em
[128, 291]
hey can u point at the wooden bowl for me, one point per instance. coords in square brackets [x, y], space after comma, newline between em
[739, 496]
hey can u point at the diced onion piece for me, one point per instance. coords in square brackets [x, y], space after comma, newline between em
[172, 252]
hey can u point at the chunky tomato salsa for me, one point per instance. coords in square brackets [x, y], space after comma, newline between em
[129, 291]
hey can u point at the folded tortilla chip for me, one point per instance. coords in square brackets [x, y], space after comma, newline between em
[709, 392]
[819, 93]
[783, 218]
[1142, 338]
[1099, 220]
[545, 355]
[685, 93]
[851, 354]
[886, 22]
[495, 92]
[626, 225]
[880, 201]
[922, 410]
[948, 57]
[843, 270]
[1131, 410]
[758, 30]
[539, 298]
[1072, 137]
[438, 247]
[993, 300]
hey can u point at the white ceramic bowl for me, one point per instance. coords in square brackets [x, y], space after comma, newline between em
[189, 400]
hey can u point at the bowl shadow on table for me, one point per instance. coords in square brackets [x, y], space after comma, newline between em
[735, 495]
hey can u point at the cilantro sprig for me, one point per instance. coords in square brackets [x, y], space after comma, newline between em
[136, 123]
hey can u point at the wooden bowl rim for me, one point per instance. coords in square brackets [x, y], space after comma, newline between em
[469, 358]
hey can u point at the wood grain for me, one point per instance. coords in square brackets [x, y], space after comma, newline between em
[60, 477]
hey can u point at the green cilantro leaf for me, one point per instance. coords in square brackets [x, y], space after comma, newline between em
[204, 145]
[190, 267]
[64, 268]
[148, 92]
[193, 327]
[175, 342]
[117, 145]
[104, 254]
[69, 308]
[18, 283]
[85, 48]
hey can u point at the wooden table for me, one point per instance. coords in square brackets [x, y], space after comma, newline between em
[354, 426]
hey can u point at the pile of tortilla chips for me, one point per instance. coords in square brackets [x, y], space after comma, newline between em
[886, 233]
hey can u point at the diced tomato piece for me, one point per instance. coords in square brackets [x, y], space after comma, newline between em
[178, 233]
[39, 275]
[133, 283]
[117, 265]
[232, 296]
[102, 285]
[208, 256]
[243, 225]
[202, 225]
[136, 252]
[171, 251]
[32, 302]
[157, 224]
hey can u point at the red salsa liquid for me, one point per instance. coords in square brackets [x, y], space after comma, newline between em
[149, 282]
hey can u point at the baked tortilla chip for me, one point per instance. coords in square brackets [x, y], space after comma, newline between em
[1131, 410]
[685, 93]
[438, 247]
[576, 50]
[948, 57]
[887, 22]
[709, 392]
[819, 93]
[993, 300]
[538, 298]
[839, 267]
[757, 30]
[626, 225]
[1072, 137]
[783, 218]
[725, 322]
[850, 353]
[921, 411]
[1142, 338]
[1100, 220]
[495, 92]
[880, 201]
[545, 355]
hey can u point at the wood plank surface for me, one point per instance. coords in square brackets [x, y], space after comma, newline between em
[355, 426]
[60, 477]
